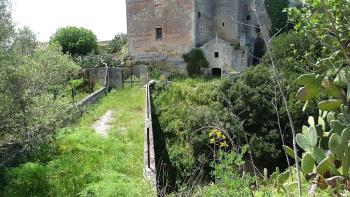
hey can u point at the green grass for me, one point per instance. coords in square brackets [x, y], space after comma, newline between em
[88, 164]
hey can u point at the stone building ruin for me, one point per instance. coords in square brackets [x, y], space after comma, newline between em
[226, 31]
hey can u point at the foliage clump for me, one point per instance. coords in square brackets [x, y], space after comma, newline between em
[6, 24]
[196, 107]
[33, 100]
[278, 15]
[76, 41]
[92, 60]
[24, 42]
[117, 43]
[196, 61]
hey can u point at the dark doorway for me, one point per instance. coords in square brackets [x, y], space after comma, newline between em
[259, 51]
[216, 72]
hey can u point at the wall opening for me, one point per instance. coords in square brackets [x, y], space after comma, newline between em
[257, 29]
[199, 14]
[247, 18]
[259, 50]
[216, 54]
[216, 72]
[223, 24]
[159, 33]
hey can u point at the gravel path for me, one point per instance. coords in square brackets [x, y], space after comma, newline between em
[102, 125]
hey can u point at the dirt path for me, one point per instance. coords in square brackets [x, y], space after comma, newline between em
[102, 125]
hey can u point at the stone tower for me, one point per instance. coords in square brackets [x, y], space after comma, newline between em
[165, 29]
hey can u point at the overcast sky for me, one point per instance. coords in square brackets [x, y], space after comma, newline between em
[105, 18]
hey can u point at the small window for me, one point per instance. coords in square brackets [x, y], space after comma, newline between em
[216, 54]
[257, 29]
[223, 24]
[247, 18]
[199, 14]
[159, 33]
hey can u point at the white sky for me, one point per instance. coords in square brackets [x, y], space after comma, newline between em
[105, 18]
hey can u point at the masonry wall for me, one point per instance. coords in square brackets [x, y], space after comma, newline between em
[175, 17]
[224, 26]
[204, 17]
[225, 52]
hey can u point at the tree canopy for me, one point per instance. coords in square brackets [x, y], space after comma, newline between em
[76, 41]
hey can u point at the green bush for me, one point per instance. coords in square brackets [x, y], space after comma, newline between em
[31, 180]
[76, 41]
[292, 55]
[229, 179]
[195, 60]
[32, 96]
[252, 95]
[182, 108]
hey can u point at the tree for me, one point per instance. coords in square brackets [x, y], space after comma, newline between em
[117, 43]
[6, 25]
[76, 41]
[195, 60]
[33, 103]
[24, 42]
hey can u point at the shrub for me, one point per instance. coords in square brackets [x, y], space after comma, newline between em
[229, 179]
[33, 104]
[195, 60]
[76, 41]
[252, 95]
[291, 53]
[183, 108]
[28, 180]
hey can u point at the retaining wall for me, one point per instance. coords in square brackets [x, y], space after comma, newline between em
[150, 171]
[92, 98]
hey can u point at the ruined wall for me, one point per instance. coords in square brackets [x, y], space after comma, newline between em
[204, 20]
[175, 17]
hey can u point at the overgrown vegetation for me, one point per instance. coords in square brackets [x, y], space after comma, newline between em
[243, 107]
[33, 100]
[196, 107]
[87, 164]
